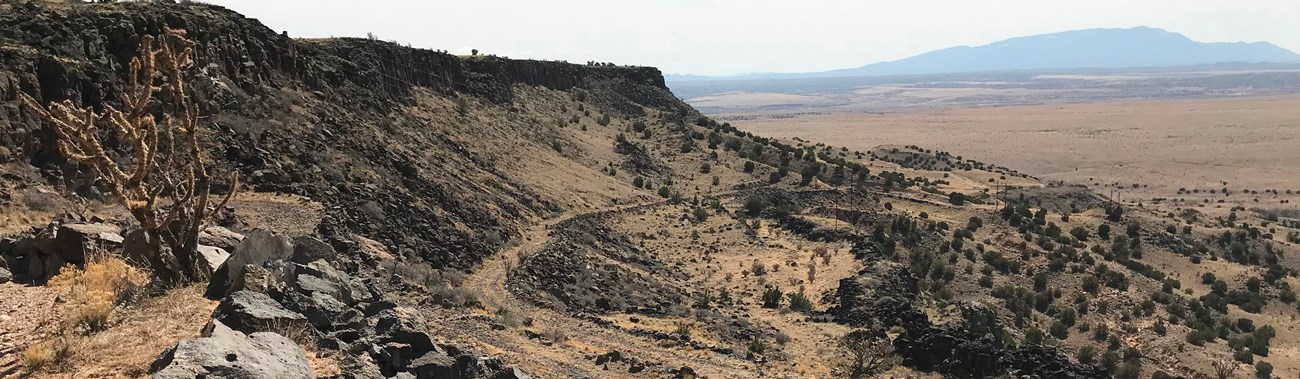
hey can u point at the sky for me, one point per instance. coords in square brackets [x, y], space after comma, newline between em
[722, 37]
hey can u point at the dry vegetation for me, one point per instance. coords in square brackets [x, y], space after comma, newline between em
[1159, 145]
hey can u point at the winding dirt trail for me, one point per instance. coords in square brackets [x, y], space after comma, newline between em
[584, 337]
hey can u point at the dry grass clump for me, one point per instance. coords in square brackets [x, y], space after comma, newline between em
[129, 345]
[97, 289]
[44, 355]
[445, 286]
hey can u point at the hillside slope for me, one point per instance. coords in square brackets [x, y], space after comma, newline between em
[486, 217]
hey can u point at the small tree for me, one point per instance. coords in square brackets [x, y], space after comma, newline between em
[166, 184]
[1224, 369]
[867, 353]
[772, 298]
[957, 198]
[1263, 370]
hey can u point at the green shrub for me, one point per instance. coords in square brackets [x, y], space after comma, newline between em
[1263, 370]
[800, 302]
[772, 298]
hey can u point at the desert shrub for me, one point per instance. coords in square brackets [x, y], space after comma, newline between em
[749, 167]
[756, 347]
[799, 302]
[96, 289]
[1079, 233]
[782, 338]
[1087, 354]
[1129, 370]
[1243, 356]
[865, 354]
[772, 297]
[455, 297]
[1059, 330]
[683, 331]
[555, 334]
[1091, 284]
[165, 185]
[706, 168]
[957, 198]
[43, 355]
[1263, 370]
[699, 214]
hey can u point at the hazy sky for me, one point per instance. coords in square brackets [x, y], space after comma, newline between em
[714, 37]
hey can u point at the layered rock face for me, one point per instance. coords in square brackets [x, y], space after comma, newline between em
[269, 304]
[312, 117]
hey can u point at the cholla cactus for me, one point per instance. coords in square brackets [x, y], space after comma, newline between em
[165, 185]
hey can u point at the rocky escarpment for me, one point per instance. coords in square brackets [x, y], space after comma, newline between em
[584, 268]
[320, 118]
[882, 295]
[270, 303]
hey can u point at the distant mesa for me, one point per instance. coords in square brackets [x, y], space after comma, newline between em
[1079, 49]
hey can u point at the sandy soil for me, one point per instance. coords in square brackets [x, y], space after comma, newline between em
[1250, 143]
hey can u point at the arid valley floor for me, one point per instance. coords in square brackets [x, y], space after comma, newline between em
[1160, 145]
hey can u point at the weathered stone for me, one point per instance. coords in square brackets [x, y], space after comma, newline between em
[249, 312]
[213, 257]
[512, 373]
[225, 353]
[404, 325]
[75, 241]
[308, 284]
[5, 275]
[379, 306]
[308, 249]
[39, 255]
[256, 279]
[220, 237]
[321, 310]
[434, 364]
[258, 249]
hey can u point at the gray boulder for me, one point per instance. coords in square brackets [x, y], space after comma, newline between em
[307, 249]
[5, 275]
[434, 364]
[258, 248]
[38, 255]
[220, 237]
[221, 352]
[213, 257]
[75, 241]
[249, 312]
[320, 277]
[406, 326]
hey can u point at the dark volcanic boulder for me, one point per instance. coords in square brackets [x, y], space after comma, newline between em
[308, 249]
[259, 248]
[249, 311]
[220, 237]
[221, 352]
[38, 255]
[75, 241]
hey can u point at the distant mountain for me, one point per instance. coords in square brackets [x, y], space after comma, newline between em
[1079, 49]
